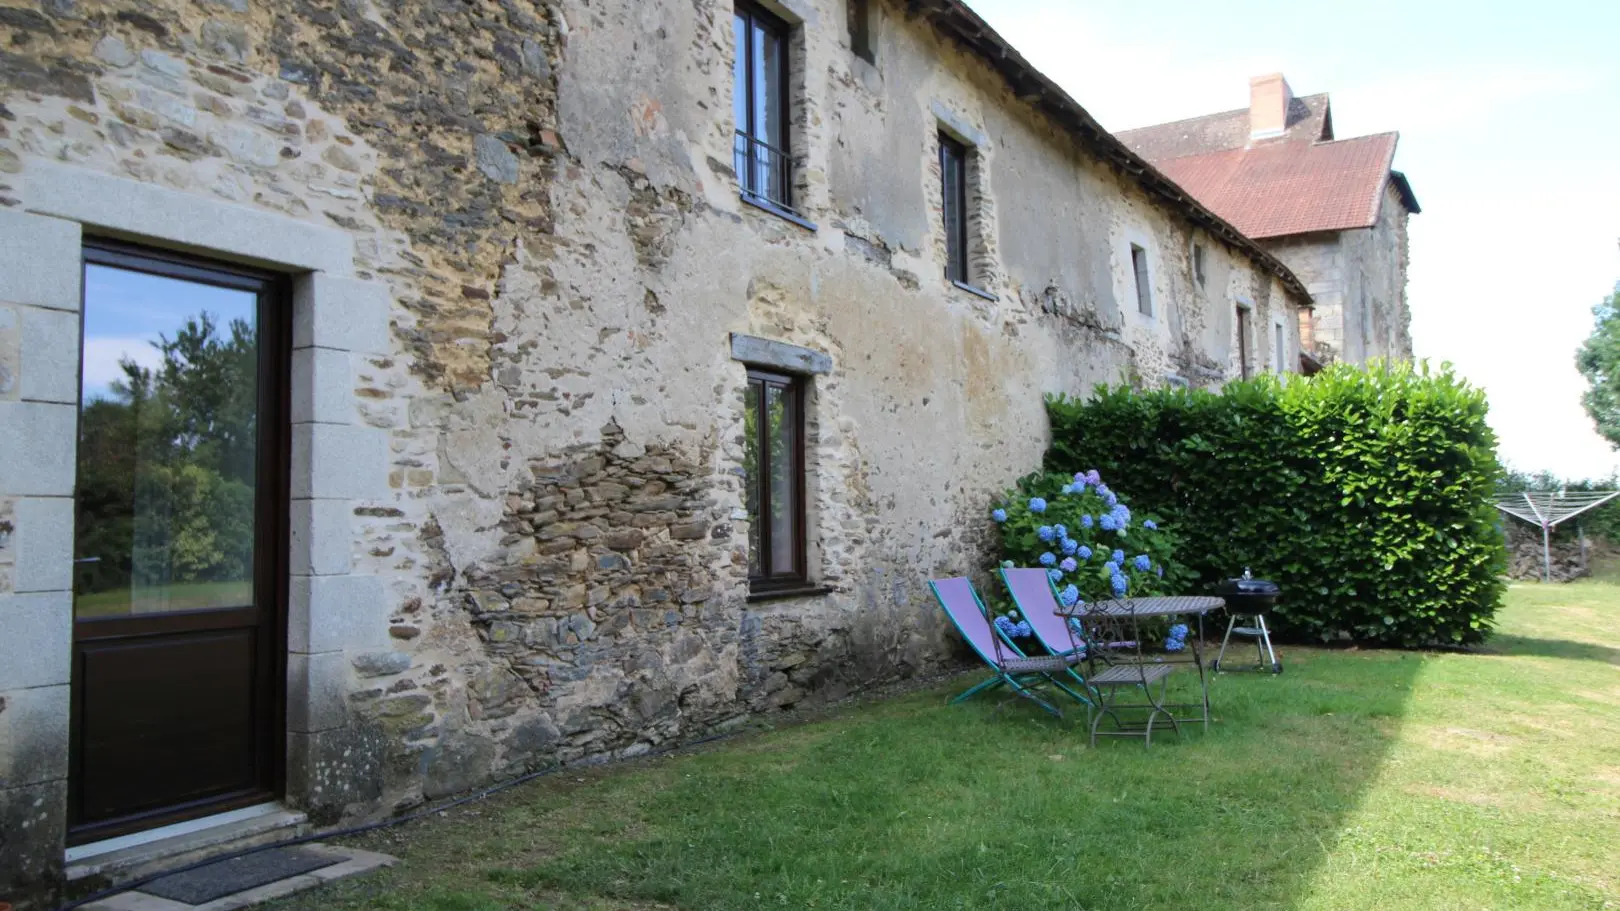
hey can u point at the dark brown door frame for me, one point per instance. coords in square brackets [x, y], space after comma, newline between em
[271, 547]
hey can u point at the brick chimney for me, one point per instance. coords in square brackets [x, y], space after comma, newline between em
[1269, 97]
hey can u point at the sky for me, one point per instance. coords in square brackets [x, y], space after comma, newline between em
[1509, 115]
[126, 312]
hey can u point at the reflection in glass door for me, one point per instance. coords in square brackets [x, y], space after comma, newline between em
[179, 540]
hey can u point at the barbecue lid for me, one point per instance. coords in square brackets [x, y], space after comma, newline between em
[1247, 585]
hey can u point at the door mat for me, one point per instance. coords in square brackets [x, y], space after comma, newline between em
[239, 874]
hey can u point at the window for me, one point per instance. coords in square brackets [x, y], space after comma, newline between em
[1243, 340]
[953, 180]
[760, 103]
[1144, 292]
[1198, 264]
[773, 460]
[1279, 347]
[861, 42]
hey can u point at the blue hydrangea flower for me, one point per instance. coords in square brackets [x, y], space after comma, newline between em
[1112, 567]
[1060, 531]
[1069, 596]
[1083, 552]
[1007, 564]
[999, 515]
[1070, 545]
[1036, 504]
[1013, 630]
[1111, 498]
[1117, 557]
[1143, 563]
[1149, 524]
[1159, 570]
[1068, 565]
[1087, 521]
[1054, 574]
[1121, 514]
[1048, 559]
[1045, 533]
[1107, 523]
[1120, 586]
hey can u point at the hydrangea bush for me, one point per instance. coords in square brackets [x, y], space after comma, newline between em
[1086, 538]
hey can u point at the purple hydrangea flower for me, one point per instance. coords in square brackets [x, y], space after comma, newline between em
[1159, 570]
[1149, 524]
[1048, 559]
[999, 515]
[1068, 565]
[1093, 478]
[1054, 574]
[1036, 504]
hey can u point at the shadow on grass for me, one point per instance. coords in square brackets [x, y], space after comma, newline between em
[1509, 644]
[915, 804]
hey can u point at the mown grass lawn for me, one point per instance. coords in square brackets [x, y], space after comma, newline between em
[1356, 780]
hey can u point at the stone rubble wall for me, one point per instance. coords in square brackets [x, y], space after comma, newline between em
[1570, 553]
[545, 188]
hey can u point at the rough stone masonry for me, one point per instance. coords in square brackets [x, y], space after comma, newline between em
[545, 555]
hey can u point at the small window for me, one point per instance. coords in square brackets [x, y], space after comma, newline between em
[953, 178]
[1279, 347]
[760, 104]
[1198, 264]
[861, 42]
[1243, 341]
[773, 460]
[1144, 292]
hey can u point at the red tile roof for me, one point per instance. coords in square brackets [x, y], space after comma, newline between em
[1300, 182]
[1280, 188]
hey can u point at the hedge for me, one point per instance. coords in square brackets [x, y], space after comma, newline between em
[1364, 492]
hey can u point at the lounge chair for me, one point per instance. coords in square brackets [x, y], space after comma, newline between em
[1032, 591]
[1019, 672]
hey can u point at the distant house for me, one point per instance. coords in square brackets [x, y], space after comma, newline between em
[1332, 209]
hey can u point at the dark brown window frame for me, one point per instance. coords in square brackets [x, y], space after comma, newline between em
[953, 151]
[1143, 279]
[272, 519]
[861, 43]
[759, 379]
[1244, 318]
[747, 137]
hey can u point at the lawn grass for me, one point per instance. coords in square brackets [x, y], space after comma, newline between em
[1357, 779]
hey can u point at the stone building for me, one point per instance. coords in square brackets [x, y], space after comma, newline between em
[575, 378]
[1333, 209]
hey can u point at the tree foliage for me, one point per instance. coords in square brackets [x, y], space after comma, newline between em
[1364, 493]
[167, 465]
[1599, 362]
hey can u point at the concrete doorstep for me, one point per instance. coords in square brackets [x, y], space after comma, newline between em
[345, 862]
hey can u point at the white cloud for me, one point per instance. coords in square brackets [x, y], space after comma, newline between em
[102, 356]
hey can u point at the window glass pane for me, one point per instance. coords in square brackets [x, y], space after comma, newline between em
[739, 85]
[950, 168]
[167, 445]
[782, 434]
[752, 479]
[769, 65]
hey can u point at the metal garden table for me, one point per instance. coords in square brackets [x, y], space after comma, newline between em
[1111, 632]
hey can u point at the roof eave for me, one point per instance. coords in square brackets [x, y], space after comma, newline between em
[1403, 187]
[957, 20]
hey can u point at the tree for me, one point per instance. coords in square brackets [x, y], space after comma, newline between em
[1599, 361]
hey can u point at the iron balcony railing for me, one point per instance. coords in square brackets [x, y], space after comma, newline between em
[762, 170]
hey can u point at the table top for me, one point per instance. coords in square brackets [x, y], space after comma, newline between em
[1145, 607]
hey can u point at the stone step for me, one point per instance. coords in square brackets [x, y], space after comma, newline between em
[105, 864]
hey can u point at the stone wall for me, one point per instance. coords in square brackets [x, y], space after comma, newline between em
[524, 538]
[1569, 551]
[1357, 279]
